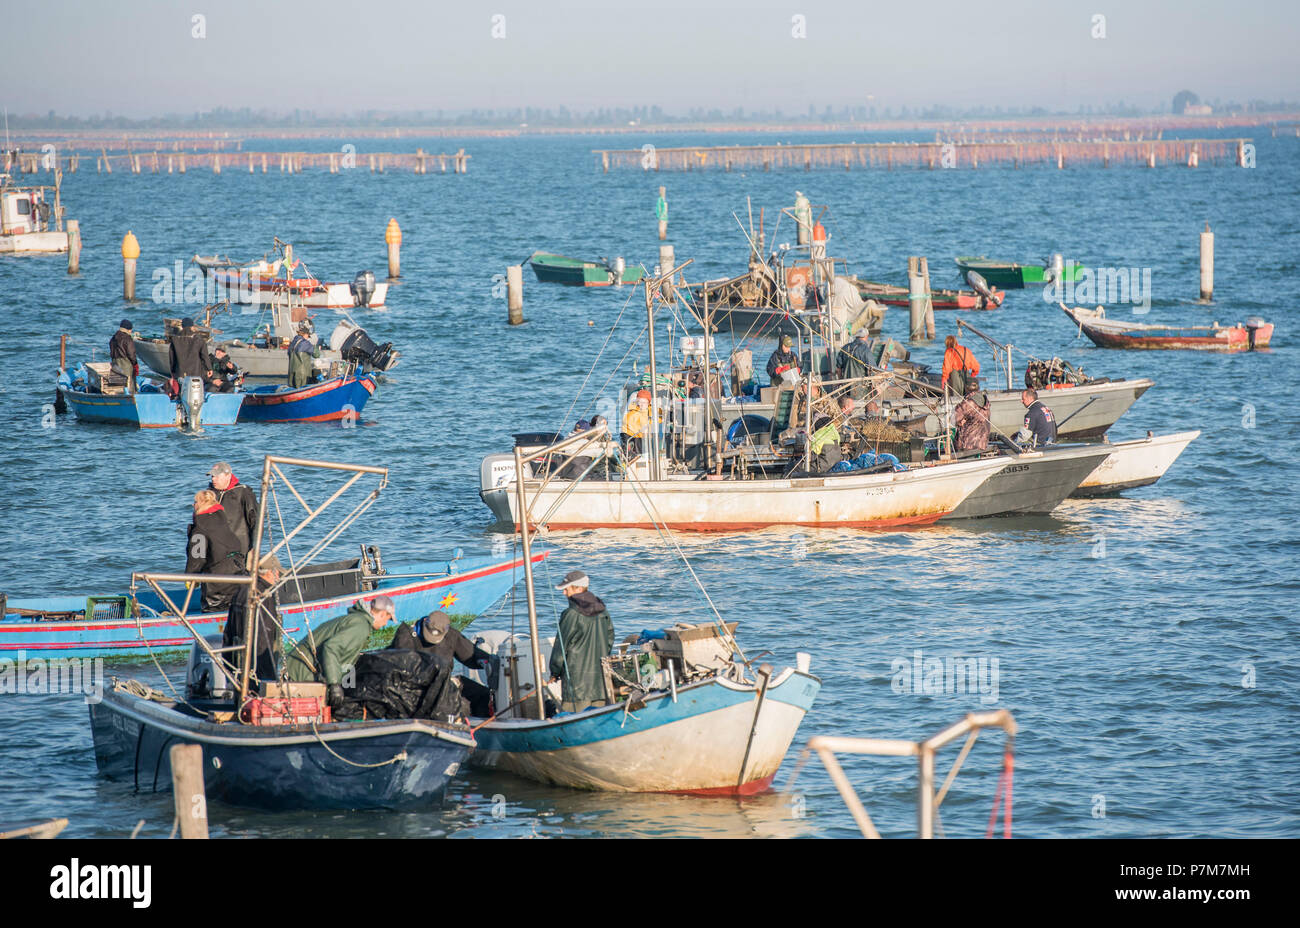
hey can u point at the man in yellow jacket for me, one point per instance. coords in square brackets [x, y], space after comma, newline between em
[634, 424]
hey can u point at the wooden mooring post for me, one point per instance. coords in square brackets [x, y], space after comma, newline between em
[191, 799]
[130, 252]
[1207, 264]
[74, 246]
[515, 294]
[393, 239]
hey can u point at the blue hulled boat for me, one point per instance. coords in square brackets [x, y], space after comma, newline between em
[334, 399]
[89, 391]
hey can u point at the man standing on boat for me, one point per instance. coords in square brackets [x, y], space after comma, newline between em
[586, 636]
[121, 351]
[960, 367]
[1040, 424]
[635, 421]
[269, 645]
[238, 503]
[188, 353]
[301, 352]
[782, 360]
[326, 653]
[213, 549]
[435, 633]
[971, 418]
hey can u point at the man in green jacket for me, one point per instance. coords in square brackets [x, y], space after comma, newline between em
[586, 636]
[326, 653]
[301, 352]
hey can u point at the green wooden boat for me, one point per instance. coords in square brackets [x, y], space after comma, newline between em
[1016, 276]
[575, 272]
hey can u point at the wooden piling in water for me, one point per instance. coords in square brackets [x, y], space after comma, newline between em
[661, 210]
[515, 294]
[915, 301]
[1207, 264]
[187, 790]
[923, 268]
[74, 246]
[393, 239]
[130, 252]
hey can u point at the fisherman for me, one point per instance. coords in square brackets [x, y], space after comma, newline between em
[326, 653]
[824, 446]
[971, 417]
[586, 636]
[121, 351]
[782, 360]
[960, 366]
[855, 357]
[435, 633]
[238, 502]
[213, 549]
[301, 352]
[1040, 424]
[269, 645]
[226, 375]
[635, 421]
[188, 353]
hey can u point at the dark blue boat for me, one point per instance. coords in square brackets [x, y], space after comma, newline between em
[337, 398]
[397, 764]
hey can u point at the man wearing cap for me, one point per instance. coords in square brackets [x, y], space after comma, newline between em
[301, 352]
[187, 350]
[782, 360]
[435, 633]
[225, 373]
[634, 424]
[586, 636]
[971, 418]
[268, 647]
[121, 352]
[326, 654]
[238, 503]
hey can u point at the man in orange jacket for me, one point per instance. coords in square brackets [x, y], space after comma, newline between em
[960, 368]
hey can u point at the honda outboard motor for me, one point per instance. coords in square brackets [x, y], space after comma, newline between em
[363, 287]
[352, 342]
[203, 679]
[981, 286]
[617, 268]
[192, 401]
[1253, 325]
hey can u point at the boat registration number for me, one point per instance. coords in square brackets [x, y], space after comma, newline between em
[1013, 469]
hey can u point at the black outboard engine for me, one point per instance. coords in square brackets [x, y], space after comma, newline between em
[363, 287]
[352, 342]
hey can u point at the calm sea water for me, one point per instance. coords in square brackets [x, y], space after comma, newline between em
[1125, 672]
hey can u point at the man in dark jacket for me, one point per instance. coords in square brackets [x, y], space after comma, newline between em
[782, 360]
[121, 352]
[188, 352]
[238, 503]
[326, 654]
[586, 635]
[435, 633]
[1040, 424]
[226, 374]
[212, 548]
[971, 417]
[268, 647]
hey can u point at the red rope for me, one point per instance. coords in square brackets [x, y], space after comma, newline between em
[1004, 786]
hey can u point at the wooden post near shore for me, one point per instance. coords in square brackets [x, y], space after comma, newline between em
[130, 252]
[187, 790]
[915, 301]
[74, 246]
[923, 268]
[393, 239]
[515, 294]
[1207, 264]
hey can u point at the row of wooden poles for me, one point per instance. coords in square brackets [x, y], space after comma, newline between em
[289, 162]
[932, 155]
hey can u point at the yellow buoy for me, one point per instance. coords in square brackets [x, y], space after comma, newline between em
[130, 247]
[393, 234]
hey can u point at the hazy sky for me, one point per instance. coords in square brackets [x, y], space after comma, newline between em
[139, 57]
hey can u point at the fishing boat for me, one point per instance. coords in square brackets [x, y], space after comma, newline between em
[1137, 463]
[894, 295]
[96, 393]
[286, 280]
[1032, 482]
[331, 400]
[576, 272]
[273, 744]
[1011, 276]
[686, 711]
[265, 354]
[30, 224]
[1252, 335]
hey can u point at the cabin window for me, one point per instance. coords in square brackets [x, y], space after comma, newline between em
[24, 207]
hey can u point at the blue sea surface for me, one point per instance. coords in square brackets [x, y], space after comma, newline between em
[1146, 644]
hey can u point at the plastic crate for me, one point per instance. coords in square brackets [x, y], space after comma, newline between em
[296, 710]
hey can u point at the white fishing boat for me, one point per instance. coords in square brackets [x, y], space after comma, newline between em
[686, 712]
[1136, 463]
[286, 280]
[31, 222]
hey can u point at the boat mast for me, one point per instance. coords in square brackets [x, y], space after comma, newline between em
[708, 384]
[253, 614]
[522, 499]
[654, 380]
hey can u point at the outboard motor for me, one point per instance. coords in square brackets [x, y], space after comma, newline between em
[352, 342]
[981, 286]
[1057, 273]
[617, 268]
[192, 401]
[363, 287]
[204, 679]
[1253, 325]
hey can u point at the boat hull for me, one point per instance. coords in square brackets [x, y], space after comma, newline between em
[572, 272]
[311, 294]
[33, 243]
[340, 398]
[289, 767]
[696, 743]
[1111, 333]
[149, 410]
[1133, 464]
[1012, 276]
[1035, 482]
[918, 496]
[466, 590]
